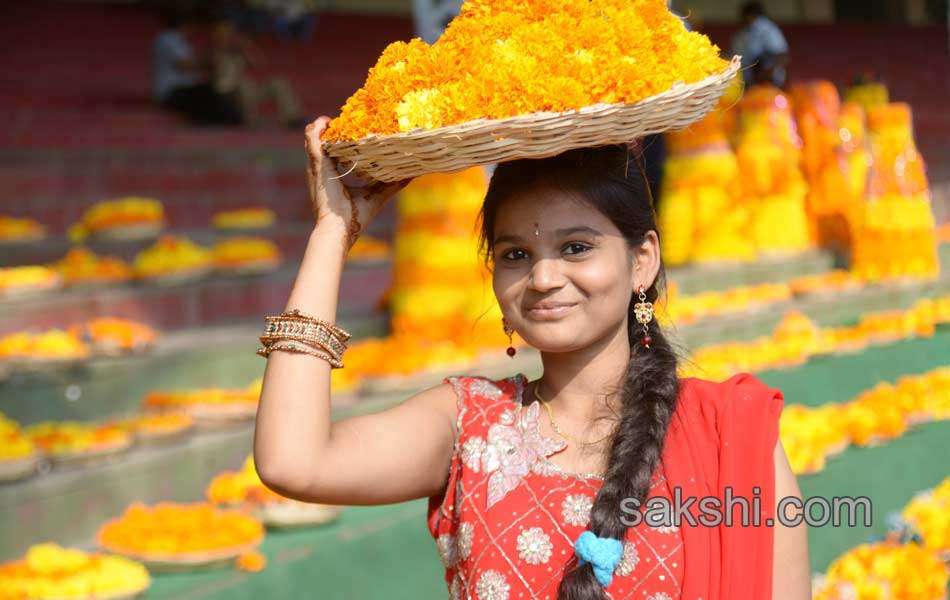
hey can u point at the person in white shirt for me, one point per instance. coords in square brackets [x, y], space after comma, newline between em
[762, 46]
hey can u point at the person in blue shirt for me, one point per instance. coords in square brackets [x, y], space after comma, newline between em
[762, 46]
[181, 77]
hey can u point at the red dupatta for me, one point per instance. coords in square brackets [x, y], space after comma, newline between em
[723, 435]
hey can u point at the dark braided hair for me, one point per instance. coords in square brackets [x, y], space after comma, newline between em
[611, 180]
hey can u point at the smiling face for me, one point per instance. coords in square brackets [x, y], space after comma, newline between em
[571, 285]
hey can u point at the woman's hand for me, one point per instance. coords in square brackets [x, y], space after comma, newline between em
[349, 206]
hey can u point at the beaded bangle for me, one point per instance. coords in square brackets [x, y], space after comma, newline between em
[297, 314]
[296, 349]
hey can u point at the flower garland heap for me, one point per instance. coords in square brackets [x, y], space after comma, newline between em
[64, 440]
[169, 533]
[886, 570]
[83, 266]
[20, 230]
[703, 216]
[926, 515]
[14, 444]
[502, 58]
[246, 254]
[210, 407]
[834, 160]
[18, 281]
[768, 149]
[253, 217]
[48, 347]
[896, 233]
[50, 571]
[132, 217]
[811, 435]
[112, 336]
[796, 339]
[19, 455]
[173, 257]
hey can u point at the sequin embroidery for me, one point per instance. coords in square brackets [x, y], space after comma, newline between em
[509, 516]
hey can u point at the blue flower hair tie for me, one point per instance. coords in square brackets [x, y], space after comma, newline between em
[603, 553]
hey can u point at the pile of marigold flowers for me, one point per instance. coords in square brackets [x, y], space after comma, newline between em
[157, 426]
[253, 217]
[146, 215]
[884, 412]
[887, 570]
[794, 340]
[245, 252]
[688, 309]
[83, 266]
[14, 444]
[178, 400]
[26, 279]
[502, 58]
[170, 530]
[58, 438]
[926, 515]
[13, 229]
[111, 334]
[50, 571]
[50, 345]
[172, 255]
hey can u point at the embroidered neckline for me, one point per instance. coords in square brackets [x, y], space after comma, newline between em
[521, 381]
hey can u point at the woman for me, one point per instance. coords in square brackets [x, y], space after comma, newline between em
[532, 502]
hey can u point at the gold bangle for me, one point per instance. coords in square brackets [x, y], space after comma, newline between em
[309, 341]
[343, 335]
[296, 349]
[310, 333]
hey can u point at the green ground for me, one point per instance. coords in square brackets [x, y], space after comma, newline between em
[386, 553]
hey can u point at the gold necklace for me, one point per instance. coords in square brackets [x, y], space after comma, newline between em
[537, 394]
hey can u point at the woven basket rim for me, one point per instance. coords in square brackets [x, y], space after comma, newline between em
[420, 133]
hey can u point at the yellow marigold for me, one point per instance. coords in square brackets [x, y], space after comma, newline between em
[51, 571]
[244, 218]
[238, 251]
[501, 58]
[887, 570]
[28, 277]
[13, 229]
[172, 254]
[81, 265]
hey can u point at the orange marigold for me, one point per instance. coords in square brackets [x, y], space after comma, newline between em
[502, 58]
[252, 562]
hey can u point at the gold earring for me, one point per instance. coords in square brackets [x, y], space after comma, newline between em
[508, 331]
[643, 311]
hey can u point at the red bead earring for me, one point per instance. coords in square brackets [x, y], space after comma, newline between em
[508, 331]
[643, 310]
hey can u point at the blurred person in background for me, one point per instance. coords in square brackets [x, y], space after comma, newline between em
[294, 19]
[181, 76]
[762, 46]
[232, 54]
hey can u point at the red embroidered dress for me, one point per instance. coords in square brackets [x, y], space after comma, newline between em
[506, 526]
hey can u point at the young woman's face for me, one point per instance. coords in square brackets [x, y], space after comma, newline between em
[580, 261]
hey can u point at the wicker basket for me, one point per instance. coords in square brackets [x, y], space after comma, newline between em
[535, 135]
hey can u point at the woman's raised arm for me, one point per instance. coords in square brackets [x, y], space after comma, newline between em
[397, 454]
